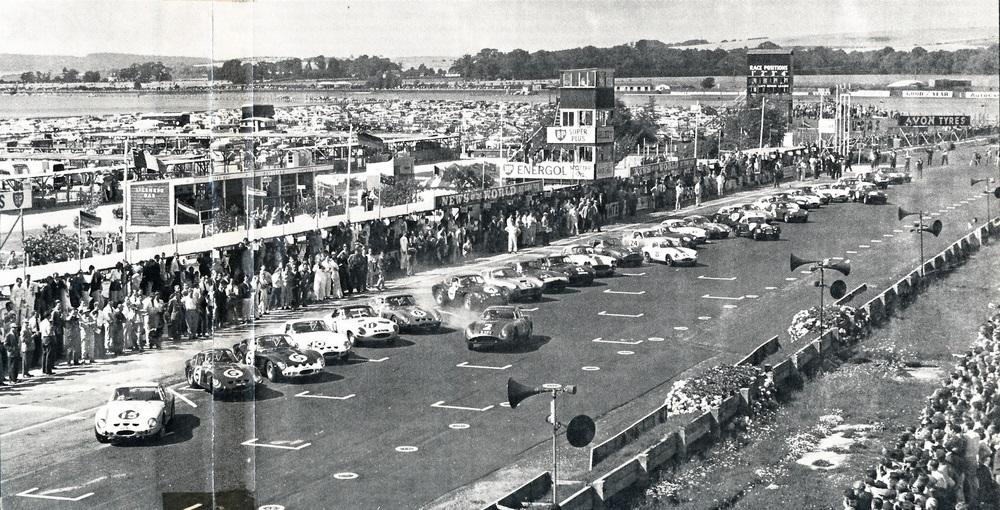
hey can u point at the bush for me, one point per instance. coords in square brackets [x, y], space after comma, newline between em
[708, 83]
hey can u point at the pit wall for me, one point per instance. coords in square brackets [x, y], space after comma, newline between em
[703, 431]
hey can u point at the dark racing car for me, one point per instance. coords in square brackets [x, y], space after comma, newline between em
[469, 291]
[404, 311]
[276, 358]
[625, 256]
[552, 281]
[498, 325]
[219, 372]
[578, 275]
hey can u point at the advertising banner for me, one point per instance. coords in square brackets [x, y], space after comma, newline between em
[580, 134]
[828, 126]
[982, 95]
[488, 194]
[679, 167]
[151, 204]
[15, 200]
[934, 120]
[548, 170]
[927, 93]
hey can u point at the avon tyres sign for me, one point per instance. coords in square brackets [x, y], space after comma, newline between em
[15, 200]
[933, 120]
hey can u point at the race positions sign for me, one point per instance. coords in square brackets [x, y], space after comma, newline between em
[933, 120]
[769, 72]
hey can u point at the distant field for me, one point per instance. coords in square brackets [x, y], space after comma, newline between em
[820, 80]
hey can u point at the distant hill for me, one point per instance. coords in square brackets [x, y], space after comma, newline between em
[432, 62]
[949, 39]
[14, 63]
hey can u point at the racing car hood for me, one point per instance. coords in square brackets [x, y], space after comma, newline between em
[367, 322]
[414, 312]
[684, 252]
[132, 410]
[291, 356]
[493, 327]
[525, 282]
[322, 338]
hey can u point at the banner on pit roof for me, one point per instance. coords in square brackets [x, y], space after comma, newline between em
[927, 93]
[15, 200]
[934, 120]
[557, 170]
[678, 167]
[487, 195]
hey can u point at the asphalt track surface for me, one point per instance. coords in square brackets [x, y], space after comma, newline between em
[396, 427]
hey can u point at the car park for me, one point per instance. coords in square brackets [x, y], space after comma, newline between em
[498, 325]
[134, 412]
[316, 335]
[678, 226]
[715, 230]
[552, 281]
[277, 358]
[655, 249]
[625, 256]
[406, 313]
[578, 275]
[519, 287]
[583, 255]
[219, 372]
[361, 324]
[468, 290]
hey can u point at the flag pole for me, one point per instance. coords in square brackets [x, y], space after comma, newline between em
[24, 270]
[79, 238]
[347, 192]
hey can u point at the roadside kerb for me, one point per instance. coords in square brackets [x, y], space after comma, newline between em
[758, 355]
[532, 490]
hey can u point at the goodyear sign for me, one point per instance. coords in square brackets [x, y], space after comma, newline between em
[15, 200]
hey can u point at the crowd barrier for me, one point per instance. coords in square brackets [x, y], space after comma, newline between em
[787, 375]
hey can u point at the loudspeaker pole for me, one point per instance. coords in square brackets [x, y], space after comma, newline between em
[822, 286]
[555, 458]
[920, 226]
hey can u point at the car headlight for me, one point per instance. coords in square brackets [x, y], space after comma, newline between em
[469, 331]
[216, 382]
[395, 327]
[282, 365]
[321, 361]
[361, 331]
[503, 333]
[349, 343]
[151, 423]
[101, 423]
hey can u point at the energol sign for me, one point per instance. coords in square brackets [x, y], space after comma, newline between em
[549, 170]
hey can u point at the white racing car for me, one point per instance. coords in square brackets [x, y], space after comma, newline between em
[660, 250]
[316, 335]
[835, 192]
[678, 226]
[134, 412]
[582, 255]
[361, 324]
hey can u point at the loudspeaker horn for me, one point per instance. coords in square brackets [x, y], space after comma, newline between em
[973, 181]
[794, 262]
[516, 392]
[996, 193]
[902, 213]
[843, 267]
[581, 430]
[838, 289]
[934, 228]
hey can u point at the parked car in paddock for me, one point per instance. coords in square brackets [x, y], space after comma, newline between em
[316, 335]
[220, 372]
[361, 324]
[578, 275]
[406, 313]
[833, 191]
[469, 291]
[552, 281]
[656, 249]
[583, 255]
[868, 193]
[498, 325]
[277, 358]
[715, 230]
[134, 412]
[756, 227]
[519, 287]
[625, 256]
[677, 226]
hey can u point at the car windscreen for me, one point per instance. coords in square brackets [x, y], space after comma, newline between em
[272, 341]
[503, 273]
[137, 394]
[355, 312]
[496, 315]
[471, 280]
[308, 326]
[400, 301]
[222, 357]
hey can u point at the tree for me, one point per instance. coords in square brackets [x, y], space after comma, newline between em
[91, 77]
[708, 83]
[27, 77]
[51, 245]
[70, 75]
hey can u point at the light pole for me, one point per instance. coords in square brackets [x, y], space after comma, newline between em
[837, 288]
[987, 180]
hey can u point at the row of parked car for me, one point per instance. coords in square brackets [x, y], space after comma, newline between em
[302, 346]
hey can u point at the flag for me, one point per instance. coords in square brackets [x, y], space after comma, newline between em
[185, 209]
[89, 220]
[254, 192]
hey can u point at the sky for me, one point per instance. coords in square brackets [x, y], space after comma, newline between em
[220, 29]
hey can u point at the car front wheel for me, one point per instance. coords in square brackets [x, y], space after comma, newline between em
[100, 438]
[191, 382]
[272, 372]
[468, 302]
[439, 298]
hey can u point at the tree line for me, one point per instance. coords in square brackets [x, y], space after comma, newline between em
[647, 58]
[139, 73]
[378, 72]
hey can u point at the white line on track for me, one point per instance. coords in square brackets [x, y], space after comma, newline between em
[704, 318]
[727, 278]
[182, 397]
[656, 339]
[380, 360]
[851, 252]
[465, 364]
[725, 298]
[805, 272]
[791, 279]
[898, 231]
[935, 214]
[876, 240]
[864, 246]
[529, 309]
[194, 506]
[770, 288]
[253, 442]
[681, 328]
[606, 314]
[626, 353]
[30, 493]
[637, 293]
[888, 235]
[306, 394]
[729, 306]
[440, 405]
[633, 274]
[625, 342]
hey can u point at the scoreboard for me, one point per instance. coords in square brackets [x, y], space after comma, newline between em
[769, 72]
